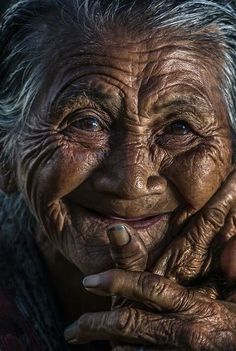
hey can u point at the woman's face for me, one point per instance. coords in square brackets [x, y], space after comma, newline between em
[131, 131]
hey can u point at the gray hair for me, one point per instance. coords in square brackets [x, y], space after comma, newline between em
[22, 38]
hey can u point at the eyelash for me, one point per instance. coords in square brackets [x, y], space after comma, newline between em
[78, 117]
[167, 138]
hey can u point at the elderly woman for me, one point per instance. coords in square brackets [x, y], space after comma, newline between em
[117, 125]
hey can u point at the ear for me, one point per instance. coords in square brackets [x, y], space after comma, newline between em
[8, 182]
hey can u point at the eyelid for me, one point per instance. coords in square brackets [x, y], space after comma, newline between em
[180, 121]
[188, 118]
[82, 114]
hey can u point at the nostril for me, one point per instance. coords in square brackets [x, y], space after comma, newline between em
[157, 184]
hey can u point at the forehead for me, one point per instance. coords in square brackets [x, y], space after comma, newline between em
[139, 69]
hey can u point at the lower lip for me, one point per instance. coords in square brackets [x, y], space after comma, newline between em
[138, 223]
[141, 223]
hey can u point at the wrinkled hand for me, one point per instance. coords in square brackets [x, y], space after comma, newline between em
[191, 320]
[190, 255]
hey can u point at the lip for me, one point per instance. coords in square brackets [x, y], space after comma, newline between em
[140, 223]
[137, 223]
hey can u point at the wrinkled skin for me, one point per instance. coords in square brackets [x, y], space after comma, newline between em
[135, 128]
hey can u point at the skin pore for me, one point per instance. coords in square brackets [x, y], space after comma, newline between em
[133, 131]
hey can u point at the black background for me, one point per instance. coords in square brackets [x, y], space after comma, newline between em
[3, 5]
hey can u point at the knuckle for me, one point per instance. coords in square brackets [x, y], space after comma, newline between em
[124, 320]
[214, 217]
[184, 300]
[209, 223]
[150, 285]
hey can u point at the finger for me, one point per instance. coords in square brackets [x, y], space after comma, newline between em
[188, 254]
[127, 249]
[210, 290]
[149, 289]
[128, 252]
[127, 325]
[228, 259]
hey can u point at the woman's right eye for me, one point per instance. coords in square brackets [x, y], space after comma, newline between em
[88, 124]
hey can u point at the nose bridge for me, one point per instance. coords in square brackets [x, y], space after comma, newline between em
[128, 171]
[133, 165]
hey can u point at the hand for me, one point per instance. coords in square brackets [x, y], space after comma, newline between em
[191, 254]
[198, 249]
[191, 321]
[133, 256]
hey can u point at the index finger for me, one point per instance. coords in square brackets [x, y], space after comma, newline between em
[152, 290]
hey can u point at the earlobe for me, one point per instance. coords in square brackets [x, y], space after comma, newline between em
[8, 182]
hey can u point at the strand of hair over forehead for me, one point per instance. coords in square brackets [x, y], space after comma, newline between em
[21, 69]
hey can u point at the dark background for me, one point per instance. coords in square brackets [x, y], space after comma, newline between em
[3, 5]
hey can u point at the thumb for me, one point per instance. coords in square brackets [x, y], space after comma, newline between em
[128, 252]
[127, 249]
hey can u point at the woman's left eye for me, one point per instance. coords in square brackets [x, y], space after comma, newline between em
[89, 124]
[178, 128]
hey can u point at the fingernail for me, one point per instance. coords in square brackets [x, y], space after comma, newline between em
[92, 281]
[69, 333]
[118, 235]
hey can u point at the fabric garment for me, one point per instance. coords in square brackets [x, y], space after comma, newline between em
[28, 317]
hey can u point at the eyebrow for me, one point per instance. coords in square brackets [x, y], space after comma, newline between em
[74, 95]
[181, 102]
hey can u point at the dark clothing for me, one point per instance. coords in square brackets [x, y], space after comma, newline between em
[28, 317]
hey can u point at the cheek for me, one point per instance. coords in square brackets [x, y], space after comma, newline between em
[65, 171]
[48, 176]
[199, 173]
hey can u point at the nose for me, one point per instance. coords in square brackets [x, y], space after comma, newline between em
[129, 174]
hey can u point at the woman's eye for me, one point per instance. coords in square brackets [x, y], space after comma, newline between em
[178, 128]
[89, 124]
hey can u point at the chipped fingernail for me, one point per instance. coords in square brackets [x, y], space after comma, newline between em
[118, 235]
[69, 333]
[92, 281]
